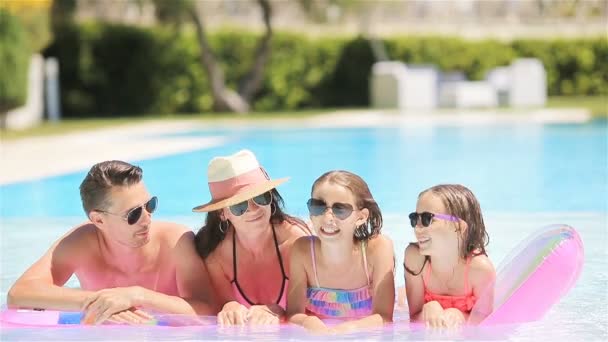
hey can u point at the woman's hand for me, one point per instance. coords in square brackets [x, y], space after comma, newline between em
[432, 314]
[263, 315]
[233, 313]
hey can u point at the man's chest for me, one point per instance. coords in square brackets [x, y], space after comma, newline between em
[97, 276]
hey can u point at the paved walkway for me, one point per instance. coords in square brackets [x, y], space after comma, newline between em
[32, 158]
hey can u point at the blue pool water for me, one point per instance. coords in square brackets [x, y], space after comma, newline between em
[511, 168]
[524, 175]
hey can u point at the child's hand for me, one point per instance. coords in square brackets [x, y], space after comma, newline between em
[315, 325]
[343, 328]
[453, 318]
[432, 314]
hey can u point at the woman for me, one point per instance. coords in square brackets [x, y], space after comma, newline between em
[246, 240]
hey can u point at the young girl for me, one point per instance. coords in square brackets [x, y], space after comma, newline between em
[346, 271]
[447, 269]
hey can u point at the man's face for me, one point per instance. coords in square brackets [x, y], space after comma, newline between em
[125, 200]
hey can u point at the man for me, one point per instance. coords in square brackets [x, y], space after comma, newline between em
[123, 260]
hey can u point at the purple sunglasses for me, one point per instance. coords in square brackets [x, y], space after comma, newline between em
[426, 218]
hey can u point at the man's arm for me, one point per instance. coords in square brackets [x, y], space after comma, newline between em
[41, 285]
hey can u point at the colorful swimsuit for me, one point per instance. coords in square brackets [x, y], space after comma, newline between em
[336, 303]
[463, 303]
[238, 291]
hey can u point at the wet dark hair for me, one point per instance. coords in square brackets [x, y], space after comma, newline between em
[96, 186]
[459, 201]
[363, 197]
[210, 235]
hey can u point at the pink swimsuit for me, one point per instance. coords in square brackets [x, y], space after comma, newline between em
[463, 303]
[337, 303]
[238, 291]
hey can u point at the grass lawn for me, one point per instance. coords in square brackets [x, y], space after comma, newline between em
[76, 125]
[596, 104]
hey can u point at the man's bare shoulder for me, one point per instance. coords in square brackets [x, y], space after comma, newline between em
[172, 233]
[77, 244]
[80, 236]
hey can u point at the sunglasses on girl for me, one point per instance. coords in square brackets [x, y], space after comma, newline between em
[135, 214]
[317, 207]
[261, 200]
[426, 218]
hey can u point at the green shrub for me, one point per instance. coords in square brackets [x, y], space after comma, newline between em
[574, 67]
[14, 60]
[109, 70]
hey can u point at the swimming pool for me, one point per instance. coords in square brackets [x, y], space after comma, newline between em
[525, 176]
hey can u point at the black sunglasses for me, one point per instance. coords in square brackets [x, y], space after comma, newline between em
[317, 207]
[261, 200]
[426, 218]
[135, 214]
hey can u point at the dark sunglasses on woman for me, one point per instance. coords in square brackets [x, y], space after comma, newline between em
[261, 200]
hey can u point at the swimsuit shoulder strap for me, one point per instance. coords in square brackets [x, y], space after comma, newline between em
[364, 252]
[234, 256]
[314, 259]
[234, 280]
[276, 246]
[285, 278]
[427, 273]
[466, 275]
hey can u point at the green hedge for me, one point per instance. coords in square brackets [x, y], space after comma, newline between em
[14, 59]
[109, 70]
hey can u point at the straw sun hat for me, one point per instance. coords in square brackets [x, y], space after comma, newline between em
[234, 179]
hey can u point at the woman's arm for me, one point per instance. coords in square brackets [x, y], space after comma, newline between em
[192, 276]
[382, 261]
